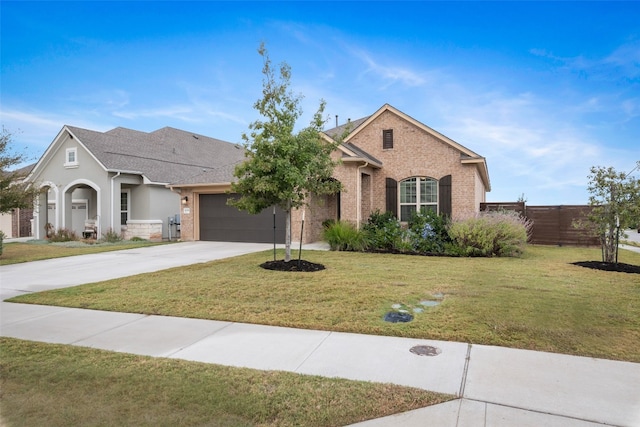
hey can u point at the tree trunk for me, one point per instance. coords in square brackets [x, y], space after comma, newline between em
[287, 234]
[609, 245]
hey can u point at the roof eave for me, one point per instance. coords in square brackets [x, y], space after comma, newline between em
[481, 162]
[370, 162]
[200, 185]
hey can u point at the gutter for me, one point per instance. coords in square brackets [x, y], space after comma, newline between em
[359, 193]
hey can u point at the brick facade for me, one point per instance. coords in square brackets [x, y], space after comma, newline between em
[417, 152]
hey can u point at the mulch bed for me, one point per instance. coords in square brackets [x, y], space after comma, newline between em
[610, 266]
[293, 265]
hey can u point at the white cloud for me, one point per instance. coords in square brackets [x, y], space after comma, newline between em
[389, 74]
[626, 58]
[35, 130]
[621, 63]
[177, 112]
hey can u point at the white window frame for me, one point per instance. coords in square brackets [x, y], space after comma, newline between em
[68, 153]
[418, 203]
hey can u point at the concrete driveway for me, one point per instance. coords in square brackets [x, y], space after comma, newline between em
[37, 276]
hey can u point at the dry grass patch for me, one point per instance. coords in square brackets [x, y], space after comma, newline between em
[539, 301]
[56, 385]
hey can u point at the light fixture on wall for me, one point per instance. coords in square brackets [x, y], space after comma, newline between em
[185, 199]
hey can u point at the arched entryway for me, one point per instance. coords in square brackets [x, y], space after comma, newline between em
[80, 202]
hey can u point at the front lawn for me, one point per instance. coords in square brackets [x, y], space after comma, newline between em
[539, 301]
[35, 250]
[57, 385]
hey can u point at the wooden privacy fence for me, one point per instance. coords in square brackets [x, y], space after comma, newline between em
[552, 225]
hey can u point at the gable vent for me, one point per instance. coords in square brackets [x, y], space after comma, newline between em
[387, 139]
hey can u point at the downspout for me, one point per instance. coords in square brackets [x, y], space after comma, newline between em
[359, 193]
[113, 178]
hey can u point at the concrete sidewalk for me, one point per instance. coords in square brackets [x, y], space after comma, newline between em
[497, 386]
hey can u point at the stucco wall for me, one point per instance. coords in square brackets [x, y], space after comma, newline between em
[155, 202]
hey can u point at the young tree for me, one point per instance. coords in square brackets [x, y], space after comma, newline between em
[282, 168]
[615, 201]
[14, 193]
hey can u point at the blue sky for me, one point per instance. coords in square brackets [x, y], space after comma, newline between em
[543, 90]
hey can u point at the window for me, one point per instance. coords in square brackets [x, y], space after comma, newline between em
[387, 139]
[71, 157]
[124, 207]
[417, 194]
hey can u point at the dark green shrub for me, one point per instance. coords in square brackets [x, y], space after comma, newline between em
[500, 233]
[137, 239]
[111, 236]
[344, 236]
[428, 232]
[384, 232]
[2, 235]
[63, 235]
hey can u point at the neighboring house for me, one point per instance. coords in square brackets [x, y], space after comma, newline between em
[17, 223]
[117, 180]
[388, 162]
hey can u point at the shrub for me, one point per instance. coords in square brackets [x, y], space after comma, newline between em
[428, 232]
[383, 231]
[63, 235]
[138, 239]
[111, 236]
[2, 235]
[500, 233]
[344, 236]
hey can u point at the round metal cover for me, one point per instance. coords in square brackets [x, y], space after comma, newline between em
[425, 350]
[395, 317]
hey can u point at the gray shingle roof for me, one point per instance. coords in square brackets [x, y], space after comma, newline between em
[352, 124]
[361, 153]
[166, 155]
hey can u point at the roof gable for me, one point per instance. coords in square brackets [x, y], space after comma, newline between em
[352, 152]
[386, 107]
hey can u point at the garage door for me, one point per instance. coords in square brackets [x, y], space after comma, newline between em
[223, 223]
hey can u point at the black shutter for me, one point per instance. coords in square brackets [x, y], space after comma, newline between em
[444, 190]
[392, 196]
[387, 139]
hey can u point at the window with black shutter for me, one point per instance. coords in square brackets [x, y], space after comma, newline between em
[387, 139]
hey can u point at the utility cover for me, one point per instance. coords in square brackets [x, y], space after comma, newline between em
[395, 317]
[425, 350]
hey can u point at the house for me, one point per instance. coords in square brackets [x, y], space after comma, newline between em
[117, 180]
[389, 162]
[17, 222]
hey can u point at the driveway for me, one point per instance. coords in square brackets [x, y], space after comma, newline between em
[37, 276]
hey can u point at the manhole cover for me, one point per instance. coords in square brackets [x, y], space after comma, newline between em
[395, 317]
[425, 350]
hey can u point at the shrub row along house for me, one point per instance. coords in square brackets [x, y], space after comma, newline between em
[142, 184]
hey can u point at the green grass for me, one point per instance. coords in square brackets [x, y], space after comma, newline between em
[539, 301]
[17, 252]
[56, 385]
